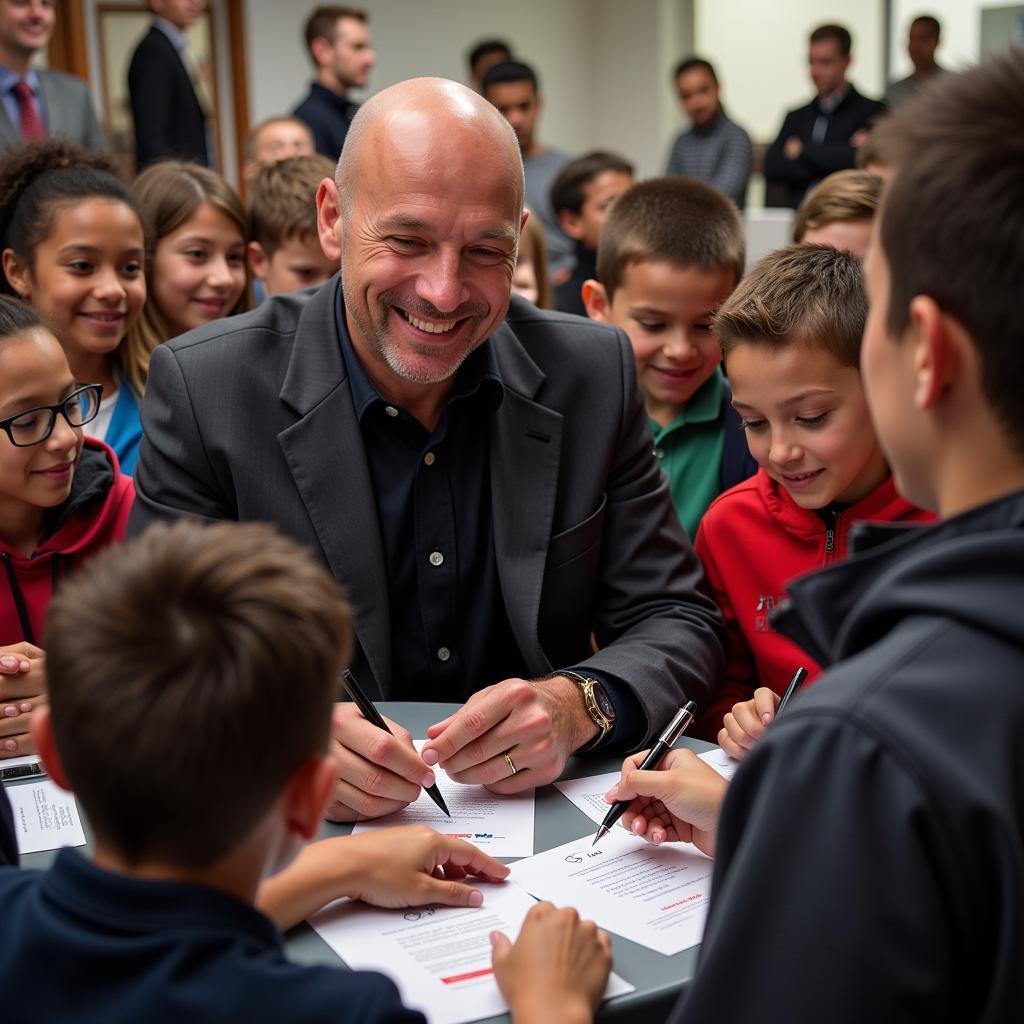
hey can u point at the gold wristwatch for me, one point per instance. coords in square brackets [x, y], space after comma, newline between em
[598, 705]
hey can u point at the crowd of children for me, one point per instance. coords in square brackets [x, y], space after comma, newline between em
[886, 405]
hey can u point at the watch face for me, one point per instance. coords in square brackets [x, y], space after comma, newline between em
[606, 706]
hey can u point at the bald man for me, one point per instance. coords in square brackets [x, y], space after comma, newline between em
[478, 475]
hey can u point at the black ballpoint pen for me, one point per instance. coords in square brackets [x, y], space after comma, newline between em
[372, 715]
[679, 724]
[794, 687]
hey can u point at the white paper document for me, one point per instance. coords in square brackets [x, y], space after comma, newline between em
[656, 896]
[439, 957]
[499, 825]
[721, 762]
[45, 817]
[588, 794]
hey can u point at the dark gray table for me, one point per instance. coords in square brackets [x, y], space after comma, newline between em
[658, 979]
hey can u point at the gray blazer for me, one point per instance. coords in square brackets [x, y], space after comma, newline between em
[252, 418]
[68, 112]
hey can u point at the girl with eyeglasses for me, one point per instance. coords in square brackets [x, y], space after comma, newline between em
[62, 499]
[73, 246]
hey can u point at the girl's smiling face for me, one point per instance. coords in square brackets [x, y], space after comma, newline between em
[199, 270]
[34, 371]
[87, 278]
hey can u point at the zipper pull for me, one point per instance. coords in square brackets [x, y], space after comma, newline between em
[830, 541]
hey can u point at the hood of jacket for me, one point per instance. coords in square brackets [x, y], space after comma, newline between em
[897, 571]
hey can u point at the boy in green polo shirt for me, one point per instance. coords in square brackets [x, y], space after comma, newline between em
[671, 253]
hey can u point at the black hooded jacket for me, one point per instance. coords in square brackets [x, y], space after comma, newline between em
[870, 861]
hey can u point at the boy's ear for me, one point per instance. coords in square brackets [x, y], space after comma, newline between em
[18, 274]
[939, 354]
[258, 260]
[328, 219]
[595, 298]
[306, 795]
[572, 224]
[41, 731]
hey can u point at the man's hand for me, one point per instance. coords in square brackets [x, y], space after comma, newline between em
[537, 723]
[792, 147]
[743, 726]
[22, 690]
[556, 971]
[377, 773]
[678, 803]
[405, 867]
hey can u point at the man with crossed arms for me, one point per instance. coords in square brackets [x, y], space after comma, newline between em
[477, 474]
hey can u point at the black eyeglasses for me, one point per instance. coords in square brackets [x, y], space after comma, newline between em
[33, 426]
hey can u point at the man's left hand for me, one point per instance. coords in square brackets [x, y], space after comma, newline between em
[793, 147]
[537, 723]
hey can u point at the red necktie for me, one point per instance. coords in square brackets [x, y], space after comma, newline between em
[31, 123]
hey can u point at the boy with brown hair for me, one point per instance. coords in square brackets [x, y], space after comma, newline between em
[192, 678]
[581, 196]
[285, 254]
[838, 212]
[878, 827]
[671, 253]
[791, 336]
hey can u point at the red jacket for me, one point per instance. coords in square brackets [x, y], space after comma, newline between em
[94, 515]
[752, 540]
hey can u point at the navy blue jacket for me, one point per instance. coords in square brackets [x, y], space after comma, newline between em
[86, 945]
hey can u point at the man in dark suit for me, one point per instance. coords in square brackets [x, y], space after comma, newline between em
[38, 103]
[822, 136]
[478, 475]
[170, 120]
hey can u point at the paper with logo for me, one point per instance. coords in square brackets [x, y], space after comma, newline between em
[439, 957]
[656, 896]
[588, 793]
[500, 825]
[45, 817]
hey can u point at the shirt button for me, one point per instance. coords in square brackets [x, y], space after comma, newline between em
[443, 654]
[429, 458]
[436, 558]
[659, 453]
[391, 410]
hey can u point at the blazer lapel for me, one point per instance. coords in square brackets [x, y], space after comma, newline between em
[324, 451]
[56, 114]
[525, 449]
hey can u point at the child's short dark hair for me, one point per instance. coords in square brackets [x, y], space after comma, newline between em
[191, 671]
[509, 71]
[807, 294]
[952, 218]
[670, 220]
[282, 199]
[691, 64]
[568, 188]
[487, 47]
[16, 317]
[841, 197]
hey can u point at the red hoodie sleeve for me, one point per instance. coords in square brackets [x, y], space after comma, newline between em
[740, 679]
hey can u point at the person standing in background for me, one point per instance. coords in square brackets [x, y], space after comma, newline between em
[715, 149]
[822, 136]
[339, 46]
[512, 88]
[38, 103]
[169, 116]
[922, 42]
[485, 55]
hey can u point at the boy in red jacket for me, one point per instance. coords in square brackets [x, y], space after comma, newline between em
[790, 335]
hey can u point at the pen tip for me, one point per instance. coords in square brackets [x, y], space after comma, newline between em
[601, 833]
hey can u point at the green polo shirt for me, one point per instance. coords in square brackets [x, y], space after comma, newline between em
[690, 451]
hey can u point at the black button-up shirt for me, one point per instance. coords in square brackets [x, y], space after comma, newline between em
[450, 634]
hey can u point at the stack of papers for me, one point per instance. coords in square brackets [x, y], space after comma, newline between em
[438, 957]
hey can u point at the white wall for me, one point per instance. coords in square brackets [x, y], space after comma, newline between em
[760, 52]
[602, 63]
